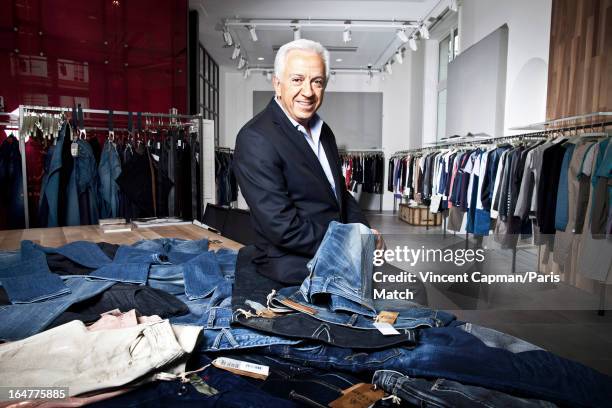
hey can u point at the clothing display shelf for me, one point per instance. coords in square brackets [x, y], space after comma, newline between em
[203, 127]
[373, 152]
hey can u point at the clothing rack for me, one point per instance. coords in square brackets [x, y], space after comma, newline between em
[203, 129]
[374, 152]
[542, 130]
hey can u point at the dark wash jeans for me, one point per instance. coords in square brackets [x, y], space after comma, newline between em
[443, 393]
[486, 358]
[307, 386]
[234, 392]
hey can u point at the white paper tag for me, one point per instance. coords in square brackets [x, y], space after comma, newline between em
[241, 366]
[155, 157]
[74, 149]
[158, 145]
[385, 328]
[180, 143]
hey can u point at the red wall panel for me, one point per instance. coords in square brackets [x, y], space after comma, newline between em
[117, 54]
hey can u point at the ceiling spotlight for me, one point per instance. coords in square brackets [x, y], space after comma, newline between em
[236, 52]
[398, 57]
[241, 63]
[297, 34]
[401, 34]
[247, 72]
[253, 33]
[412, 43]
[453, 5]
[338, 59]
[424, 32]
[260, 58]
[346, 34]
[227, 37]
[388, 68]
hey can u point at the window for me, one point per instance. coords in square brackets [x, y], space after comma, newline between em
[208, 99]
[448, 50]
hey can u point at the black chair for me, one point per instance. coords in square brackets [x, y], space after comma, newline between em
[238, 227]
[216, 216]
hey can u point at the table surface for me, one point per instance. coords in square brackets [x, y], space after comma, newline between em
[54, 237]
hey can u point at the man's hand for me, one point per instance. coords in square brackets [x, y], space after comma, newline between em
[380, 242]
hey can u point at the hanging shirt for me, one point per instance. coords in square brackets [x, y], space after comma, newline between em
[314, 141]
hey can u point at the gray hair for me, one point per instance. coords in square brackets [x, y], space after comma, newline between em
[304, 45]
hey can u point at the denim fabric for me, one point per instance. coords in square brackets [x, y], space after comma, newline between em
[408, 318]
[342, 265]
[11, 183]
[108, 171]
[562, 212]
[82, 192]
[26, 278]
[448, 394]
[303, 326]
[23, 320]
[305, 385]
[456, 354]
[233, 392]
[49, 192]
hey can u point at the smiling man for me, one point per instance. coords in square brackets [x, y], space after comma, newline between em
[288, 169]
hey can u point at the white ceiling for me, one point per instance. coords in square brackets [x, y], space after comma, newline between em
[368, 46]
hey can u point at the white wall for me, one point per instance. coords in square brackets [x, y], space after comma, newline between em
[528, 46]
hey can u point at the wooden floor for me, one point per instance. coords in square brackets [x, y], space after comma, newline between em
[53, 237]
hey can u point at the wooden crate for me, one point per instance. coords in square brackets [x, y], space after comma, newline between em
[419, 216]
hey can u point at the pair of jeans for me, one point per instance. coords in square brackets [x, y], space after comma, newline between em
[472, 355]
[11, 183]
[341, 273]
[108, 171]
[230, 391]
[82, 191]
[352, 317]
[50, 189]
[86, 361]
[307, 386]
[443, 393]
[250, 293]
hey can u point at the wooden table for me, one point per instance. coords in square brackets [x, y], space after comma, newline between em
[54, 237]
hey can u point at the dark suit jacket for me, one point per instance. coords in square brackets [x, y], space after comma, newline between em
[290, 198]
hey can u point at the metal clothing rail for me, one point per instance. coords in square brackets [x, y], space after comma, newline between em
[23, 109]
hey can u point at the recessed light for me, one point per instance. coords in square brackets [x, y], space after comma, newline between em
[338, 59]
[260, 58]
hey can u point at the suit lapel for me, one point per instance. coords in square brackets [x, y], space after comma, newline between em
[332, 155]
[298, 139]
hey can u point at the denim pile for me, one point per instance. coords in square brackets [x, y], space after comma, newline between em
[317, 339]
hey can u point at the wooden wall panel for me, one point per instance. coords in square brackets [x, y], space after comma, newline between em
[580, 59]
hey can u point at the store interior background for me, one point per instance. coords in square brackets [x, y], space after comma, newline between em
[133, 55]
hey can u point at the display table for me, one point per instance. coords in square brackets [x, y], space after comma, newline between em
[419, 216]
[55, 237]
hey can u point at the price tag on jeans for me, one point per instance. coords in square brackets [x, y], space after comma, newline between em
[387, 317]
[242, 367]
[360, 395]
[74, 149]
[385, 328]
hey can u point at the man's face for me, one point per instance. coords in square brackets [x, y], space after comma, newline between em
[302, 85]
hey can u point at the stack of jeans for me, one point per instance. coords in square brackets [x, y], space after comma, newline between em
[317, 339]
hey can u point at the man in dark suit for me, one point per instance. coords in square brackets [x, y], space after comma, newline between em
[288, 169]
